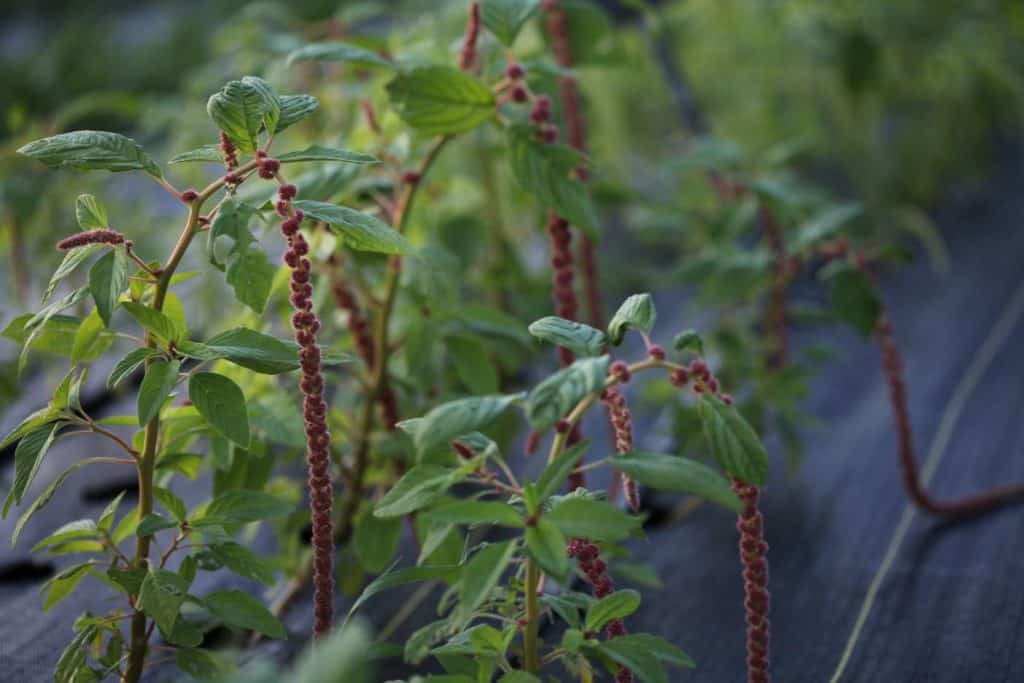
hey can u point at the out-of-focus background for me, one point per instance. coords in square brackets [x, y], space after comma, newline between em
[911, 109]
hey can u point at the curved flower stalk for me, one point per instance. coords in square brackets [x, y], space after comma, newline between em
[318, 438]
[622, 426]
[753, 553]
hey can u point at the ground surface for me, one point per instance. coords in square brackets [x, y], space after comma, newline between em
[948, 607]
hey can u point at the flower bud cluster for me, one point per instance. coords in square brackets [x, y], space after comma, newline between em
[228, 151]
[753, 553]
[622, 425]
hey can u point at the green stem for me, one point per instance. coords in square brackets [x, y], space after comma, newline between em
[139, 638]
[530, 634]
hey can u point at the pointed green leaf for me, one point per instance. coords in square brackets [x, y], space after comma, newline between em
[90, 213]
[376, 541]
[557, 471]
[160, 597]
[72, 259]
[733, 441]
[92, 338]
[242, 610]
[441, 100]
[617, 605]
[153, 321]
[243, 108]
[250, 273]
[242, 506]
[108, 278]
[321, 153]
[546, 545]
[127, 365]
[418, 487]
[60, 586]
[581, 339]
[244, 562]
[28, 456]
[357, 230]
[473, 512]
[91, 150]
[160, 379]
[294, 108]
[206, 153]
[504, 18]
[222, 403]
[455, 418]
[585, 518]
[636, 312]
[72, 531]
[482, 573]
[553, 398]
[337, 52]
[671, 473]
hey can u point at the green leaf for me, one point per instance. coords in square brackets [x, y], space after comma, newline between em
[337, 52]
[242, 506]
[548, 173]
[232, 222]
[243, 108]
[186, 464]
[671, 473]
[391, 579]
[733, 441]
[256, 351]
[357, 230]
[642, 654]
[160, 597]
[72, 259]
[472, 364]
[376, 541]
[455, 418]
[160, 379]
[108, 278]
[242, 610]
[250, 273]
[473, 512]
[36, 419]
[200, 664]
[504, 18]
[244, 562]
[90, 213]
[481, 574]
[206, 153]
[171, 502]
[222, 403]
[344, 656]
[91, 339]
[73, 658]
[55, 335]
[127, 365]
[28, 456]
[62, 584]
[45, 497]
[518, 676]
[553, 398]
[153, 523]
[581, 339]
[440, 100]
[557, 471]
[855, 299]
[106, 520]
[91, 150]
[617, 605]
[546, 545]
[581, 517]
[824, 226]
[637, 312]
[80, 529]
[153, 321]
[418, 487]
[689, 340]
[294, 108]
[321, 153]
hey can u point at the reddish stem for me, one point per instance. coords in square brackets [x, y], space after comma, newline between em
[467, 57]
[969, 506]
[754, 555]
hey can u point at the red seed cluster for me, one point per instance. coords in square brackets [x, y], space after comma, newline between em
[467, 57]
[514, 71]
[622, 425]
[753, 553]
[228, 151]
[596, 570]
[80, 239]
[268, 167]
[189, 196]
[318, 438]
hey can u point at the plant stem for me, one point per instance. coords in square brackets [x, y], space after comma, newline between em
[532, 628]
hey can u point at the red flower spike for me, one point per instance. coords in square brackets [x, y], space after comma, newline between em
[467, 57]
[318, 439]
[588, 556]
[622, 426]
[229, 152]
[753, 553]
[91, 237]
